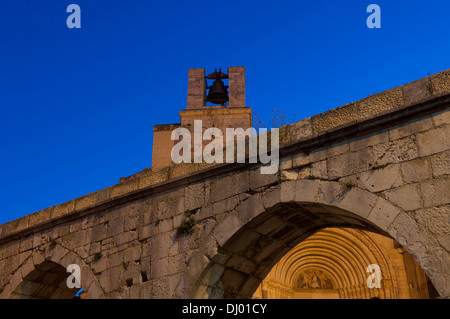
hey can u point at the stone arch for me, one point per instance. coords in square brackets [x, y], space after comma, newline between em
[343, 257]
[265, 226]
[43, 275]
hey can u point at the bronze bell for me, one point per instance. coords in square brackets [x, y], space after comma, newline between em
[218, 91]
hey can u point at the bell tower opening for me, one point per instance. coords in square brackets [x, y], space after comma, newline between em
[218, 90]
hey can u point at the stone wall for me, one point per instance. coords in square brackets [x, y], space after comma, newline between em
[380, 164]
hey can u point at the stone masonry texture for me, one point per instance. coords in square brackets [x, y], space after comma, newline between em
[237, 223]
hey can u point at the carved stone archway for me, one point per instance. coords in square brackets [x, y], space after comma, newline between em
[291, 212]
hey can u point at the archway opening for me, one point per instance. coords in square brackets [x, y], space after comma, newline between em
[332, 264]
[248, 256]
[47, 281]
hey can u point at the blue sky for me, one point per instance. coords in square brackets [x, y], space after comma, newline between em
[78, 105]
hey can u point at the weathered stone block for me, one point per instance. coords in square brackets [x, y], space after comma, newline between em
[16, 225]
[182, 169]
[82, 251]
[349, 163]
[99, 265]
[440, 164]
[194, 196]
[132, 253]
[442, 118]
[249, 287]
[61, 230]
[160, 245]
[334, 118]
[241, 264]
[27, 268]
[417, 91]
[87, 277]
[380, 102]
[424, 248]
[115, 227]
[110, 279]
[99, 232]
[196, 263]
[401, 150]
[165, 225]
[234, 279]
[170, 207]
[272, 196]
[440, 82]
[184, 286]
[271, 225]
[227, 227]
[205, 212]
[113, 260]
[257, 180]
[323, 153]
[15, 279]
[415, 171]
[25, 244]
[11, 250]
[153, 178]
[145, 232]
[329, 192]
[435, 219]
[435, 192]
[160, 268]
[410, 128]
[160, 288]
[284, 134]
[285, 164]
[319, 170]
[6, 292]
[86, 201]
[212, 275]
[40, 216]
[250, 208]
[301, 129]
[38, 258]
[146, 249]
[301, 160]
[434, 141]
[123, 188]
[368, 140]
[407, 197]
[95, 248]
[377, 180]
[69, 258]
[69, 240]
[287, 191]
[383, 213]
[103, 195]
[132, 222]
[289, 175]
[356, 201]
[306, 190]
[63, 209]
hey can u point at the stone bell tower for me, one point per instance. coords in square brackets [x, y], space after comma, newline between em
[197, 87]
[216, 104]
